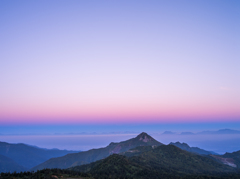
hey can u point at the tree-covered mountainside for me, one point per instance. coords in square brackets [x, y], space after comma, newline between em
[9, 165]
[29, 156]
[235, 156]
[46, 174]
[70, 174]
[231, 159]
[165, 161]
[86, 157]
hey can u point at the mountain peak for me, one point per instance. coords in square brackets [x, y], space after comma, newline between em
[93, 155]
[168, 132]
[144, 137]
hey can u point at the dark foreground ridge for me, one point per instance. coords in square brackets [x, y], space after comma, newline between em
[165, 161]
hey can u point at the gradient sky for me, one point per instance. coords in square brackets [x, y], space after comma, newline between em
[119, 62]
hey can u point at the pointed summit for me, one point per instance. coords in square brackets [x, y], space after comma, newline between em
[145, 138]
[143, 134]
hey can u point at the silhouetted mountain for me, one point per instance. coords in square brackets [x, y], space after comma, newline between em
[81, 158]
[29, 156]
[9, 165]
[196, 150]
[168, 132]
[165, 161]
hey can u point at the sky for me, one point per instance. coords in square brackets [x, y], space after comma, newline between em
[119, 64]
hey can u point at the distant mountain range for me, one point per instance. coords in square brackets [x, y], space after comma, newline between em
[24, 157]
[221, 131]
[169, 132]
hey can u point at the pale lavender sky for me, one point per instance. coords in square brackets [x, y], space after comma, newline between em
[119, 61]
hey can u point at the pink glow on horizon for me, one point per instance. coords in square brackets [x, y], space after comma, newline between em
[119, 114]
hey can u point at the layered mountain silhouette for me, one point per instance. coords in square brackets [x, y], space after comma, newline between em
[134, 158]
[93, 155]
[195, 150]
[28, 156]
[164, 161]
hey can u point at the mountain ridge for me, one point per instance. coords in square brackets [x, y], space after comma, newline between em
[92, 155]
[9, 165]
[196, 150]
[164, 161]
[29, 156]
